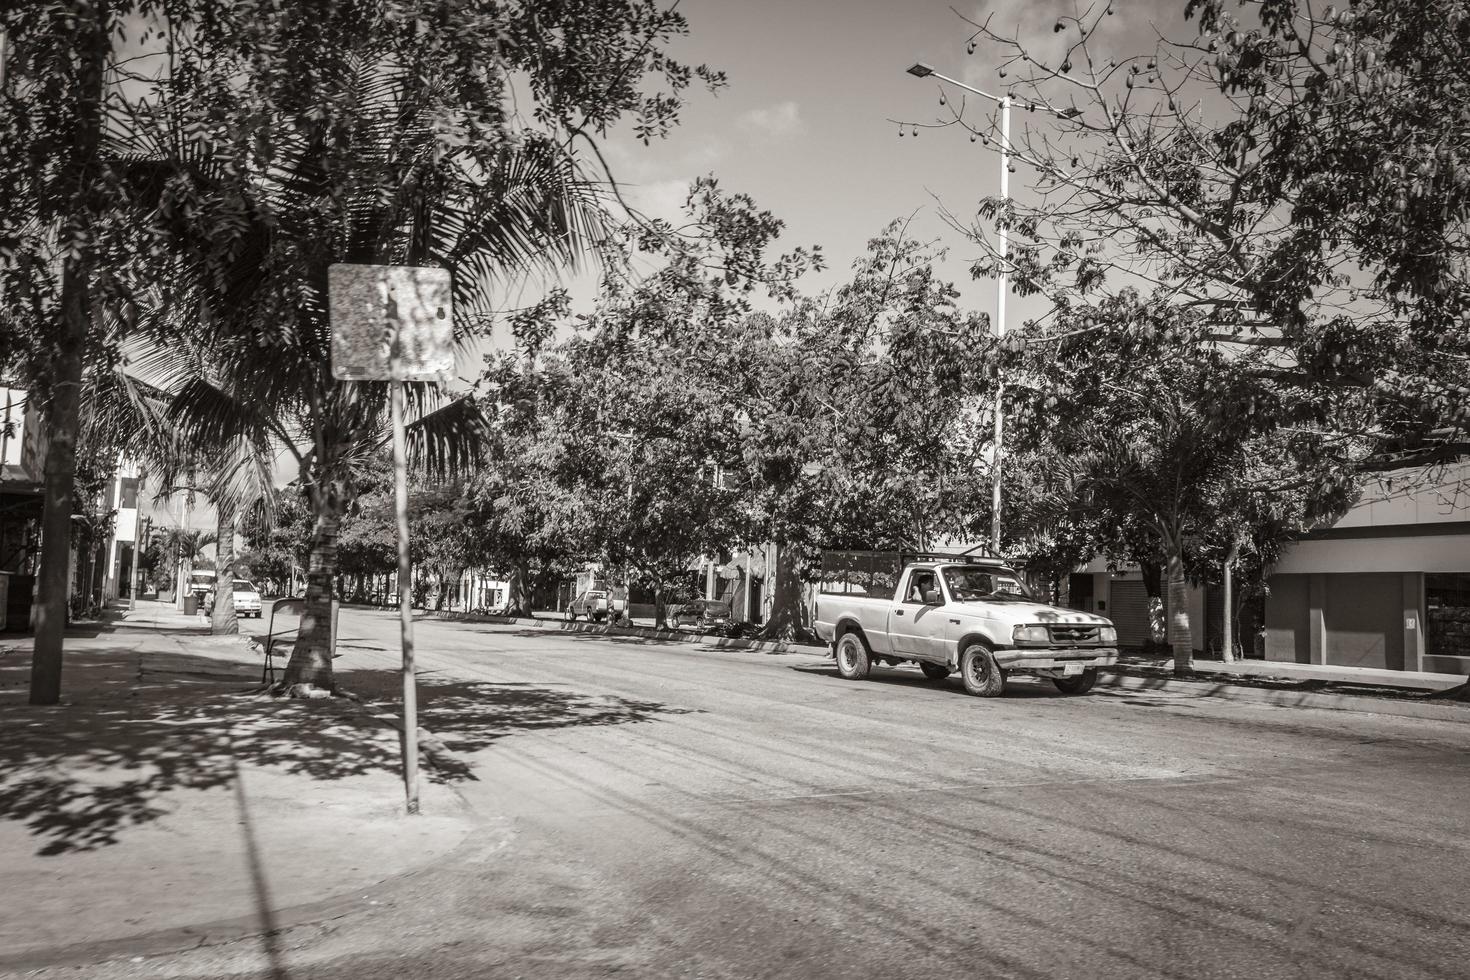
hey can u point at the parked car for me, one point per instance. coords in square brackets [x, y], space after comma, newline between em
[594, 604]
[247, 598]
[202, 584]
[702, 615]
[972, 615]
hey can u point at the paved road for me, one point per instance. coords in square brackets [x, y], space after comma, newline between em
[667, 811]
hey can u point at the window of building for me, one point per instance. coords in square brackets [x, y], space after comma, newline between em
[1447, 614]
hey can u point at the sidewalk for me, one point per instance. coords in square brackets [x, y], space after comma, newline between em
[168, 803]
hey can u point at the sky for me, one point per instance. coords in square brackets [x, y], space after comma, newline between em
[804, 123]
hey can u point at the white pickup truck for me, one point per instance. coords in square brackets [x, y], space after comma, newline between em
[974, 615]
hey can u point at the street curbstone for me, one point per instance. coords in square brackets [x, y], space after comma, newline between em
[1133, 679]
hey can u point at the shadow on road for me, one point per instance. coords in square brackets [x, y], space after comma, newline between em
[1019, 687]
[135, 729]
[596, 636]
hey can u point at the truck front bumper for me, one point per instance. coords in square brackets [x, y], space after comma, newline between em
[1055, 659]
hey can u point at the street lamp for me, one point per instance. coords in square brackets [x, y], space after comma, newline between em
[921, 70]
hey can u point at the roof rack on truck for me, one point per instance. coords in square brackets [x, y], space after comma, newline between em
[877, 572]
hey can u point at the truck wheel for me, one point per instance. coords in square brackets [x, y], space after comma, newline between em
[935, 672]
[571, 617]
[853, 660]
[1077, 685]
[983, 677]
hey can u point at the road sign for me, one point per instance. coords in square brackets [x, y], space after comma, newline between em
[395, 323]
[390, 323]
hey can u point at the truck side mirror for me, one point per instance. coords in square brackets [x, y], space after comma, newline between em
[933, 598]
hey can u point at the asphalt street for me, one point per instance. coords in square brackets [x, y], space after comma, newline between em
[653, 809]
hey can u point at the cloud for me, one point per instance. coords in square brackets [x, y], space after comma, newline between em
[660, 199]
[632, 162]
[781, 119]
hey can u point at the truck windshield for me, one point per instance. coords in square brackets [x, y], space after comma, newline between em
[970, 582]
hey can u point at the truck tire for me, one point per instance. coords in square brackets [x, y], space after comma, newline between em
[935, 672]
[983, 677]
[571, 617]
[1077, 685]
[853, 659]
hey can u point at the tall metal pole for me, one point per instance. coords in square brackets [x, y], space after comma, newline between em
[997, 453]
[921, 70]
[405, 608]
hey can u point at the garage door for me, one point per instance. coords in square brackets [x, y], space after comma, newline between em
[1362, 620]
[1128, 609]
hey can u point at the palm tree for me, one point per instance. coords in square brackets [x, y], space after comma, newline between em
[121, 401]
[186, 545]
[248, 367]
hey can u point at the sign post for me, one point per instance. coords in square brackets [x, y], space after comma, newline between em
[405, 603]
[395, 324]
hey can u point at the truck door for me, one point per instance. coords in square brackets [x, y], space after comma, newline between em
[915, 628]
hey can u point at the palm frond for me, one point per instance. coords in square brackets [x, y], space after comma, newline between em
[447, 442]
[209, 417]
[533, 209]
[244, 479]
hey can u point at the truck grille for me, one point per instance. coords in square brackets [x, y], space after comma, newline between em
[1073, 635]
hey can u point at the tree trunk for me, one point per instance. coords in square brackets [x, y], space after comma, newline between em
[1227, 601]
[785, 620]
[61, 408]
[311, 657]
[222, 617]
[660, 605]
[1153, 587]
[184, 578]
[1181, 639]
[62, 423]
[518, 597]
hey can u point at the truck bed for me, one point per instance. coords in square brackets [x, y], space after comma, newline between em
[872, 614]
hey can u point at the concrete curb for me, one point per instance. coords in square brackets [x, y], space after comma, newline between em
[647, 632]
[1141, 679]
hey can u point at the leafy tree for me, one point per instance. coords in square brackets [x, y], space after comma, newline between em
[608, 450]
[681, 423]
[651, 430]
[866, 421]
[277, 535]
[442, 540]
[527, 508]
[70, 247]
[423, 158]
[1296, 172]
[1171, 461]
[185, 546]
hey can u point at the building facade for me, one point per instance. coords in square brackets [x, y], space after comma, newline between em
[1120, 594]
[1388, 586]
[23, 445]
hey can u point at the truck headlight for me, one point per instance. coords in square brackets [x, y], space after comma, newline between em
[1030, 634]
[1108, 636]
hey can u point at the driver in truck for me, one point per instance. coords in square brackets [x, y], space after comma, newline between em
[921, 583]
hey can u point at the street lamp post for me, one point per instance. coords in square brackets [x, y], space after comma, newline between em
[921, 70]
